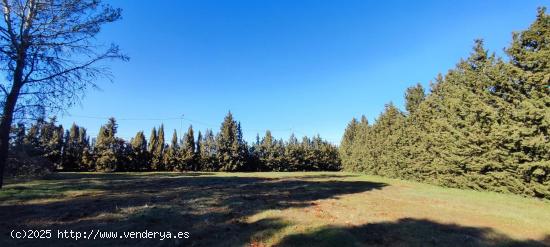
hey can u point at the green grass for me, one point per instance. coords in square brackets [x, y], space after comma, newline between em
[266, 209]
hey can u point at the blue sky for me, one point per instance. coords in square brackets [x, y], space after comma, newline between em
[285, 65]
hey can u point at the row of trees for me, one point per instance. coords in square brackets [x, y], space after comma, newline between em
[484, 125]
[72, 150]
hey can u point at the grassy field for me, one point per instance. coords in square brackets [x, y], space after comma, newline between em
[266, 209]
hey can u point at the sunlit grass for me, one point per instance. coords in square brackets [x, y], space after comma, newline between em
[300, 208]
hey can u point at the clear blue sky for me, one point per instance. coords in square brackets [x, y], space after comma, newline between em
[309, 66]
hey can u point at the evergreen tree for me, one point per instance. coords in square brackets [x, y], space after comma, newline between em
[347, 144]
[84, 148]
[140, 154]
[198, 152]
[158, 152]
[153, 150]
[361, 151]
[529, 73]
[293, 155]
[73, 149]
[188, 159]
[387, 132]
[271, 154]
[484, 124]
[51, 141]
[266, 153]
[172, 156]
[231, 149]
[106, 147]
[413, 97]
[208, 152]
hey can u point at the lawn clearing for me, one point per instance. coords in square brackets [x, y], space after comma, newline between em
[265, 209]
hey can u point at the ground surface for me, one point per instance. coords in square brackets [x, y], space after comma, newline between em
[265, 209]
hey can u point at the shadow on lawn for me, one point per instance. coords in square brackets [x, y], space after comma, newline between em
[407, 232]
[212, 209]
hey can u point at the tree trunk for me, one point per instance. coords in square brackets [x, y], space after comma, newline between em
[5, 127]
[7, 115]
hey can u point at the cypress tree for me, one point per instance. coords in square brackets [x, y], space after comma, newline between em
[51, 141]
[73, 149]
[198, 152]
[269, 155]
[529, 83]
[140, 155]
[413, 97]
[293, 156]
[153, 149]
[158, 153]
[188, 159]
[106, 145]
[231, 149]
[347, 144]
[208, 152]
[483, 125]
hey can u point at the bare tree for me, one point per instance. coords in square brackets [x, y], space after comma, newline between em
[49, 54]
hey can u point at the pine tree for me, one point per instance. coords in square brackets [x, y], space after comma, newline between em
[254, 163]
[188, 159]
[72, 149]
[172, 155]
[347, 143]
[106, 147]
[271, 155]
[231, 149]
[84, 148]
[198, 152]
[140, 155]
[293, 156]
[153, 141]
[153, 149]
[484, 124]
[528, 92]
[413, 97]
[51, 141]
[361, 152]
[208, 152]
[158, 153]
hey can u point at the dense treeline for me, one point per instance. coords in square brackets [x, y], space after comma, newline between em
[72, 150]
[484, 125]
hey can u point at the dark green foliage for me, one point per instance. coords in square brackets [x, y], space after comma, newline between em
[75, 147]
[484, 125]
[294, 155]
[198, 152]
[347, 144]
[225, 152]
[270, 154]
[188, 159]
[140, 155]
[413, 97]
[25, 159]
[172, 155]
[208, 152]
[157, 150]
[107, 147]
[308, 155]
[51, 141]
[231, 148]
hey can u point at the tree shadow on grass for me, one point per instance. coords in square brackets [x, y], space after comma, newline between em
[215, 211]
[407, 232]
[212, 209]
